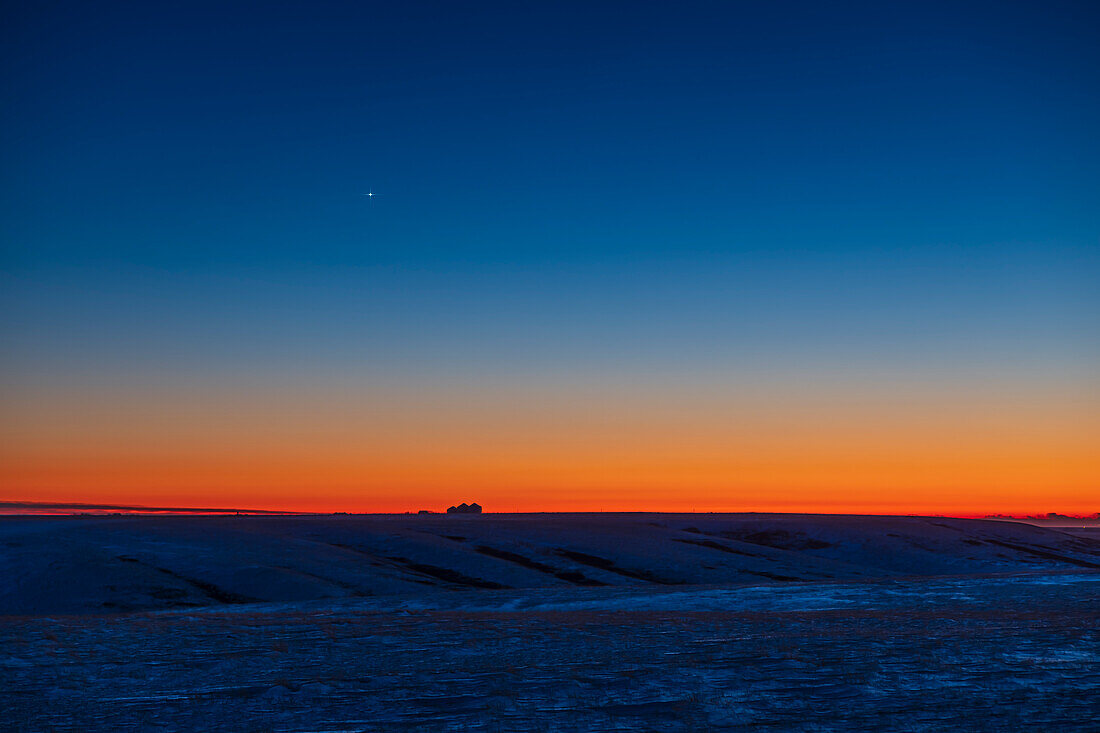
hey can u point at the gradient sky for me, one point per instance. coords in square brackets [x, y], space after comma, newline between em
[645, 256]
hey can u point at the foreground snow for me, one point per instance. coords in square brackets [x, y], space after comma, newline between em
[993, 653]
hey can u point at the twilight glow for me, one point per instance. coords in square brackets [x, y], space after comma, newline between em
[656, 259]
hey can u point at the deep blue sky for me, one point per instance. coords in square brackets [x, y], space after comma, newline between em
[576, 186]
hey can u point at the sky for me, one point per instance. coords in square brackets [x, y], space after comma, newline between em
[631, 256]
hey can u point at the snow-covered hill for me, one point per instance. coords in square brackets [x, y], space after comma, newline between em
[134, 563]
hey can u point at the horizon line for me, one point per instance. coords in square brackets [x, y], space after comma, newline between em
[46, 507]
[75, 505]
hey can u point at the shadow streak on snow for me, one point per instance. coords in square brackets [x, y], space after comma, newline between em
[1044, 554]
[571, 576]
[602, 563]
[210, 590]
[717, 546]
[447, 575]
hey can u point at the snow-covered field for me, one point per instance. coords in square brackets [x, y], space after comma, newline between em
[547, 622]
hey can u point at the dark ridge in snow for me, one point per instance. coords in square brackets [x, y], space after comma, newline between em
[570, 576]
[716, 546]
[447, 575]
[604, 564]
[211, 591]
[1045, 554]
